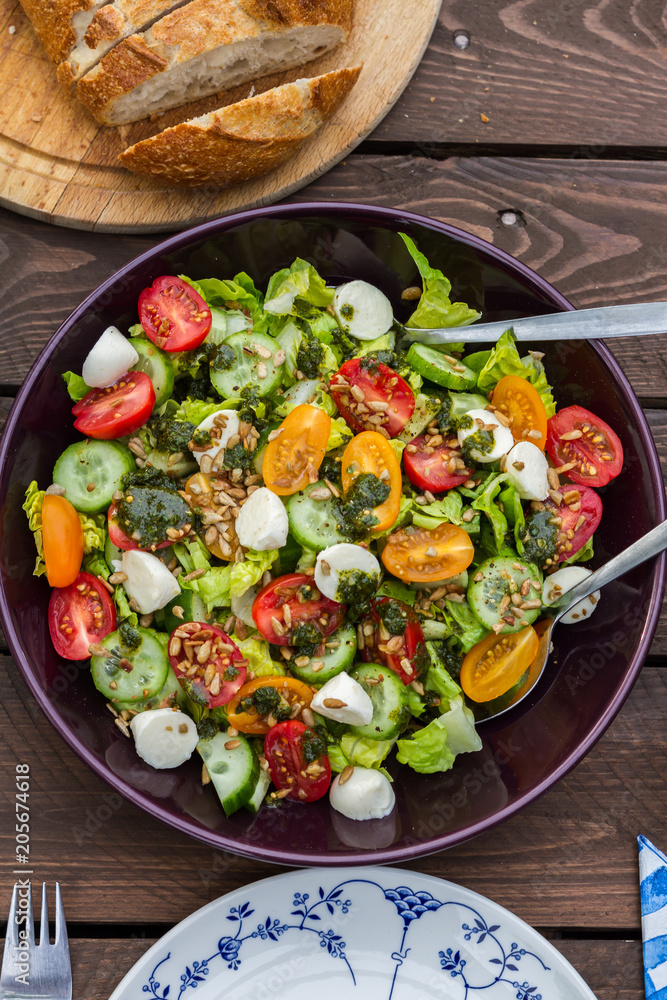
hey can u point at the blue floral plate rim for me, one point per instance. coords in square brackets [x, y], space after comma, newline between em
[460, 941]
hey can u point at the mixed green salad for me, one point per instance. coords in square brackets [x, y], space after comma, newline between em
[297, 542]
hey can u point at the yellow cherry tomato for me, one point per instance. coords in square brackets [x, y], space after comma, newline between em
[522, 404]
[290, 690]
[371, 452]
[199, 494]
[62, 539]
[293, 457]
[495, 664]
[421, 555]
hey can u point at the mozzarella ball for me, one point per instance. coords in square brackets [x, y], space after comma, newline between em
[334, 563]
[262, 523]
[221, 435]
[563, 580]
[164, 737]
[148, 581]
[362, 310]
[367, 794]
[344, 700]
[502, 436]
[527, 468]
[111, 357]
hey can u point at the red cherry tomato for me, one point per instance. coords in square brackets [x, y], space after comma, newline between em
[378, 384]
[120, 409]
[118, 537]
[391, 618]
[220, 668]
[174, 316]
[305, 604]
[434, 469]
[292, 764]
[580, 513]
[80, 615]
[575, 435]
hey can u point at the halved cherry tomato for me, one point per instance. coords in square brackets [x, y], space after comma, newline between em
[370, 452]
[294, 600]
[243, 712]
[79, 616]
[377, 384]
[422, 555]
[120, 409]
[289, 748]
[390, 619]
[580, 513]
[292, 458]
[521, 403]
[495, 664]
[216, 668]
[174, 316]
[434, 468]
[200, 498]
[118, 537]
[586, 448]
[62, 540]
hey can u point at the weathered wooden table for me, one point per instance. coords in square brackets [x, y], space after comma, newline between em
[555, 113]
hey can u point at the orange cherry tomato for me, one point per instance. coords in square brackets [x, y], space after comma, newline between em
[200, 498]
[370, 452]
[292, 459]
[247, 719]
[421, 555]
[495, 664]
[62, 539]
[520, 401]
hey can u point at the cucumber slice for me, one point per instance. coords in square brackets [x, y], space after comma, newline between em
[313, 523]
[390, 702]
[247, 367]
[434, 366]
[90, 472]
[497, 579]
[194, 610]
[150, 667]
[157, 365]
[426, 408]
[170, 689]
[186, 466]
[335, 660]
[261, 788]
[112, 554]
[234, 772]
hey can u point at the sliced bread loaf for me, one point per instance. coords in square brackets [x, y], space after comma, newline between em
[209, 46]
[243, 140]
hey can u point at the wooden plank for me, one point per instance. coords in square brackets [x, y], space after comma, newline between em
[596, 230]
[612, 969]
[591, 76]
[569, 860]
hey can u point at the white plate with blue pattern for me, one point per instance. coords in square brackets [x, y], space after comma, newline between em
[371, 933]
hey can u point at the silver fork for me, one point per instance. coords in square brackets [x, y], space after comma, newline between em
[32, 971]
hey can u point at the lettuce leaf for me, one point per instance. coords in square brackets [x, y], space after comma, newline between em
[339, 433]
[96, 564]
[439, 679]
[220, 583]
[399, 591]
[290, 339]
[76, 387]
[192, 554]
[435, 747]
[365, 752]
[123, 609]
[583, 555]
[300, 281]
[386, 342]
[196, 410]
[257, 653]
[463, 623]
[504, 360]
[435, 308]
[249, 572]
[486, 502]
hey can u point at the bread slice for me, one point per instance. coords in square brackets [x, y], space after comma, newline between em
[109, 25]
[60, 24]
[243, 140]
[208, 46]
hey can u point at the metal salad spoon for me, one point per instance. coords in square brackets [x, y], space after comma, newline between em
[649, 545]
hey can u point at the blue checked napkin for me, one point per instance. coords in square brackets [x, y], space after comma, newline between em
[653, 886]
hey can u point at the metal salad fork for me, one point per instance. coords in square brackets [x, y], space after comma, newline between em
[32, 971]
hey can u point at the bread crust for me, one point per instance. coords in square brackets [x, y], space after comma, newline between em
[244, 140]
[52, 22]
[189, 31]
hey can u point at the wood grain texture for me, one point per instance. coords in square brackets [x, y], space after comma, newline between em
[588, 74]
[569, 860]
[612, 969]
[58, 164]
[595, 230]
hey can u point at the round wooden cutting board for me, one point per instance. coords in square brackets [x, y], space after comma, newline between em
[58, 164]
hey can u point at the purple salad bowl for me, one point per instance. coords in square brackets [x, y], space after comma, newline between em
[526, 750]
